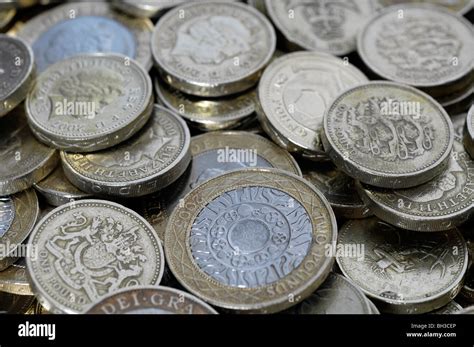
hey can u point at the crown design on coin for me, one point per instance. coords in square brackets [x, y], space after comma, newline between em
[96, 254]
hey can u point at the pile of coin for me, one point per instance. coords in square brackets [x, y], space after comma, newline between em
[203, 157]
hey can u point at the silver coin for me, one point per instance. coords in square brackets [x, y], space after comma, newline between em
[6, 15]
[467, 291]
[81, 28]
[88, 249]
[24, 160]
[440, 204]
[468, 140]
[213, 48]
[57, 190]
[295, 92]
[151, 160]
[18, 214]
[16, 72]
[405, 46]
[406, 272]
[89, 102]
[209, 114]
[388, 135]
[259, 5]
[467, 310]
[459, 121]
[14, 279]
[339, 189]
[460, 103]
[458, 6]
[214, 154]
[451, 308]
[328, 26]
[373, 308]
[337, 295]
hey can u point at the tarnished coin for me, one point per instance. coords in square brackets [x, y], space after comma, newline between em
[151, 300]
[252, 240]
[459, 6]
[88, 249]
[15, 304]
[388, 135]
[295, 92]
[468, 140]
[440, 204]
[18, 214]
[337, 295]
[339, 189]
[328, 26]
[24, 160]
[214, 154]
[451, 308]
[209, 114]
[213, 48]
[89, 102]
[406, 272]
[149, 161]
[425, 47]
[80, 28]
[57, 190]
[14, 279]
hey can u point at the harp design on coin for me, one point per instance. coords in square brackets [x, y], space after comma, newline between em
[391, 137]
[97, 255]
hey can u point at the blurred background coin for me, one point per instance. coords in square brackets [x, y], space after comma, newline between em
[247, 239]
[469, 132]
[15, 304]
[5, 17]
[88, 249]
[213, 48]
[88, 27]
[149, 161]
[295, 92]
[14, 279]
[457, 6]
[388, 135]
[90, 102]
[405, 272]
[16, 71]
[151, 300]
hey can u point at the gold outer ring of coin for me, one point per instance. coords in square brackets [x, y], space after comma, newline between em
[26, 212]
[299, 283]
[172, 300]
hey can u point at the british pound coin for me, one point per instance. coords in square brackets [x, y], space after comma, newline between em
[88, 249]
[89, 102]
[16, 72]
[6, 16]
[81, 28]
[295, 92]
[328, 26]
[209, 114]
[451, 308]
[15, 304]
[339, 189]
[405, 47]
[458, 6]
[337, 295]
[251, 240]
[24, 160]
[468, 140]
[467, 291]
[406, 272]
[18, 214]
[14, 279]
[151, 160]
[440, 204]
[213, 48]
[467, 310]
[151, 300]
[214, 154]
[57, 190]
[388, 135]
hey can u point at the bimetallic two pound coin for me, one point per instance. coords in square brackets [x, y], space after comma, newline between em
[16, 72]
[24, 160]
[440, 204]
[14, 279]
[406, 272]
[151, 300]
[388, 135]
[295, 92]
[213, 48]
[88, 249]
[328, 26]
[468, 139]
[18, 214]
[149, 161]
[81, 28]
[89, 102]
[251, 240]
